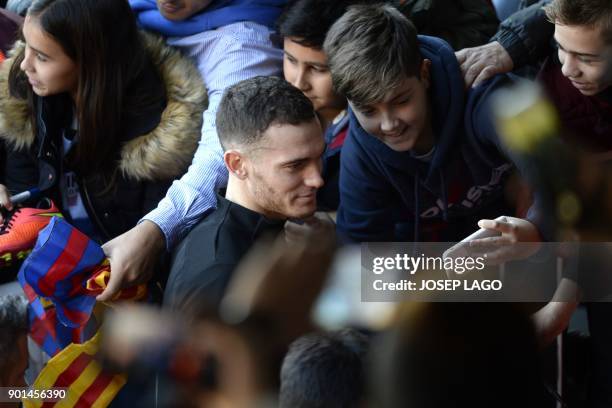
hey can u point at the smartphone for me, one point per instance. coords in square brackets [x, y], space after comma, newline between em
[460, 249]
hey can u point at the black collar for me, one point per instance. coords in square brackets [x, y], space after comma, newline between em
[248, 220]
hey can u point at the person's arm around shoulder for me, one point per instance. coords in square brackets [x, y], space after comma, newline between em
[523, 38]
[483, 62]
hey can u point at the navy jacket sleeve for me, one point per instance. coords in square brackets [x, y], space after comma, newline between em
[365, 212]
[480, 126]
[484, 136]
[526, 35]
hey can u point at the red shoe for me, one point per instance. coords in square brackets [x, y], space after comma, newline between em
[20, 230]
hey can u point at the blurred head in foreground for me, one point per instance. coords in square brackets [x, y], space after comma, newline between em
[458, 355]
[324, 370]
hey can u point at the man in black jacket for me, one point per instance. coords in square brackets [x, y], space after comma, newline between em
[273, 144]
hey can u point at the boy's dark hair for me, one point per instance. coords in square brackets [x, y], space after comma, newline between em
[249, 107]
[324, 370]
[590, 13]
[371, 49]
[308, 21]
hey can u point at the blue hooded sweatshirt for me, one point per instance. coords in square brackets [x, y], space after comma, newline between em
[217, 14]
[387, 195]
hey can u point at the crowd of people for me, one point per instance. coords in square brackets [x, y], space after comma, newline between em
[220, 151]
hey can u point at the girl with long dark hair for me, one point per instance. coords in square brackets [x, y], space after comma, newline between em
[98, 115]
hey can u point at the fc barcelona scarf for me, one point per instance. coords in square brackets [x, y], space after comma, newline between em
[61, 278]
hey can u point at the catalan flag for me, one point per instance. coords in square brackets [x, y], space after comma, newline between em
[87, 383]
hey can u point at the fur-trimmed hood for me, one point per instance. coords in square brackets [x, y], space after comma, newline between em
[166, 151]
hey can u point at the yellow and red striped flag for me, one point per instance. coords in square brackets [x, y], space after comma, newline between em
[87, 383]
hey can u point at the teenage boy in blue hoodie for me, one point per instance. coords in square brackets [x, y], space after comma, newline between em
[305, 64]
[422, 161]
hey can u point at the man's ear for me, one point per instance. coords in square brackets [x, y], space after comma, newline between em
[425, 75]
[235, 162]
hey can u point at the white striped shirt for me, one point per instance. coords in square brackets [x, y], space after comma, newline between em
[224, 57]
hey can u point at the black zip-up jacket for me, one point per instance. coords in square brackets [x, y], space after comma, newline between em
[461, 23]
[527, 34]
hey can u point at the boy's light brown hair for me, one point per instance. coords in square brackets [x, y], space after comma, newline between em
[590, 13]
[371, 49]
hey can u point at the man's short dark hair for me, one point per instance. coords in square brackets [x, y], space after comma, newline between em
[324, 370]
[249, 107]
[371, 50]
[308, 21]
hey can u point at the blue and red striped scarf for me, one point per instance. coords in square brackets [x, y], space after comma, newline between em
[61, 278]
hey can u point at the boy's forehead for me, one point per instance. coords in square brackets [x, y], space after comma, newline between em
[402, 88]
[581, 39]
[302, 52]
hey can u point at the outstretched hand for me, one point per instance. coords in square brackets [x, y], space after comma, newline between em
[481, 63]
[519, 239]
[132, 257]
